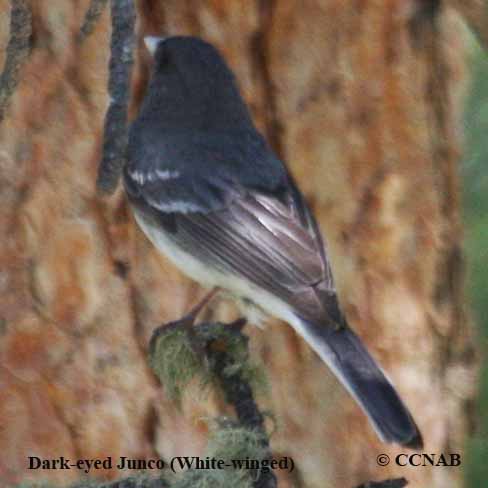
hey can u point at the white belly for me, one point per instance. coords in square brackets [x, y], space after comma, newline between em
[212, 277]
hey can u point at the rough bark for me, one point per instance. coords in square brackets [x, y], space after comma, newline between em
[363, 100]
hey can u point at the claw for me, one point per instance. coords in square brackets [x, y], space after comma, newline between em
[238, 324]
[186, 323]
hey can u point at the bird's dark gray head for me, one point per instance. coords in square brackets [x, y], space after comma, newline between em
[192, 87]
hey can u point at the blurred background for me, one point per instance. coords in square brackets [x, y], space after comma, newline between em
[475, 192]
[365, 101]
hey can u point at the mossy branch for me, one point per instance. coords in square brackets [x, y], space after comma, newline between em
[92, 15]
[175, 355]
[214, 353]
[121, 61]
[175, 360]
[17, 51]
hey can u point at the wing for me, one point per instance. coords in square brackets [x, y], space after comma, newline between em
[241, 214]
[272, 242]
[264, 240]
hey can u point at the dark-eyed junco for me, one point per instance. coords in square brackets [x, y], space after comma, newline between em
[210, 194]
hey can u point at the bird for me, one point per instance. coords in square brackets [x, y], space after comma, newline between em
[212, 196]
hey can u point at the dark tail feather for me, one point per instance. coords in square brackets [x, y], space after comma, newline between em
[347, 357]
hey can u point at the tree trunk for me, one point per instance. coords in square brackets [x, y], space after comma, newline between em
[363, 101]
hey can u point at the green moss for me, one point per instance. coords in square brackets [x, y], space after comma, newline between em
[214, 479]
[176, 359]
[228, 441]
[176, 363]
[236, 347]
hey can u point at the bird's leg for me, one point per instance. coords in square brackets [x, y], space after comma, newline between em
[192, 315]
[186, 323]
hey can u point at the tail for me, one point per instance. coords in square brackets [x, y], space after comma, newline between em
[342, 350]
